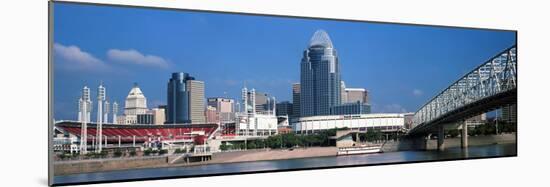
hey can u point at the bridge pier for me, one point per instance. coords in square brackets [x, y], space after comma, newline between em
[441, 138]
[464, 137]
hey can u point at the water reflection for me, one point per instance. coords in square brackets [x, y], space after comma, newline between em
[381, 158]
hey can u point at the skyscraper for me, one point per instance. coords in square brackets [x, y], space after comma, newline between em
[212, 115]
[353, 95]
[319, 77]
[135, 104]
[224, 107]
[177, 109]
[284, 108]
[196, 101]
[296, 100]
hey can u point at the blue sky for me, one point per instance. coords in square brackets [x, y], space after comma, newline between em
[402, 66]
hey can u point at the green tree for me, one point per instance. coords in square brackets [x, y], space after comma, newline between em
[251, 145]
[223, 147]
[147, 152]
[117, 153]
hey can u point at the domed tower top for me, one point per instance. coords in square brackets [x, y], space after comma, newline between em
[320, 39]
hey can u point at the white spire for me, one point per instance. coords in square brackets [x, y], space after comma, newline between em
[320, 38]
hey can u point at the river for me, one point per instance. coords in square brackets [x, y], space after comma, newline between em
[320, 162]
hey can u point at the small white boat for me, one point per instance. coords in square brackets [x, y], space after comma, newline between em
[358, 150]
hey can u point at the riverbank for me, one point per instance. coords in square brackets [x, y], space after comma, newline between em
[99, 165]
[406, 145]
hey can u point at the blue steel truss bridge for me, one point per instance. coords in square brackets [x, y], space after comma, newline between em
[489, 86]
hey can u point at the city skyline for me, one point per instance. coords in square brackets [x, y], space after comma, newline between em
[123, 62]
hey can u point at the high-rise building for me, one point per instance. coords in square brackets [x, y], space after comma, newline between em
[158, 115]
[343, 95]
[284, 108]
[177, 108]
[212, 115]
[196, 101]
[115, 112]
[136, 103]
[295, 100]
[224, 107]
[350, 108]
[264, 103]
[353, 95]
[319, 77]
[258, 102]
[509, 113]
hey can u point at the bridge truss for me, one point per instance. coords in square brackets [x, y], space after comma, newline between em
[495, 77]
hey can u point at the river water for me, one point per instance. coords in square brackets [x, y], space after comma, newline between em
[366, 159]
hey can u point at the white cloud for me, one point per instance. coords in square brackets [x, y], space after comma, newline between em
[76, 59]
[417, 92]
[132, 56]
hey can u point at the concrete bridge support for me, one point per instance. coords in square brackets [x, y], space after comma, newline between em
[441, 138]
[464, 137]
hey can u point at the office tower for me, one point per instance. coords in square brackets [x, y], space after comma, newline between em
[212, 115]
[158, 115]
[249, 101]
[296, 100]
[135, 104]
[196, 101]
[224, 107]
[80, 109]
[284, 108]
[115, 112]
[343, 95]
[509, 113]
[261, 101]
[351, 108]
[106, 112]
[177, 108]
[354, 95]
[319, 77]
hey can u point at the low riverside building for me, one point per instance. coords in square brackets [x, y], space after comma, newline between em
[360, 122]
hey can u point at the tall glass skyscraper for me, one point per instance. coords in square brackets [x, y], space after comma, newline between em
[177, 109]
[319, 77]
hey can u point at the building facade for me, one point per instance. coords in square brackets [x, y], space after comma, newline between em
[295, 101]
[320, 82]
[284, 109]
[177, 107]
[135, 104]
[509, 113]
[196, 101]
[148, 118]
[158, 115]
[212, 115]
[351, 108]
[363, 122]
[225, 108]
[353, 95]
